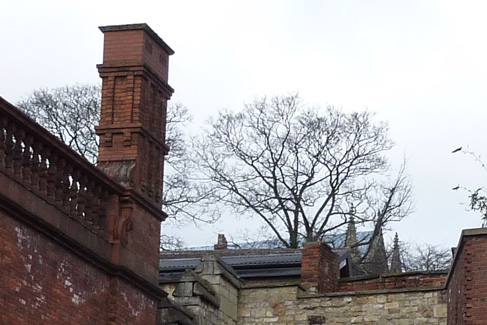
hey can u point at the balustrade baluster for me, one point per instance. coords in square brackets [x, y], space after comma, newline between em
[96, 206]
[89, 197]
[17, 152]
[67, 178]
[74, 194]
[102, 211]
[9, 145]
[59, 184]
[3, 136]
[51, 177]
[45, 152]
[82, 198]
[27, 158]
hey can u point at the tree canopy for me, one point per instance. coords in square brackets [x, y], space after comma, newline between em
[68, 112]
[302, 170]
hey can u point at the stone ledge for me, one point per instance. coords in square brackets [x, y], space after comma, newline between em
[283, 284]
[306, 295]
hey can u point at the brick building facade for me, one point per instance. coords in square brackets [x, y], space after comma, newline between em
[80, 244]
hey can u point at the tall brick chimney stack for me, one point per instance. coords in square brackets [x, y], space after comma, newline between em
[133, 111]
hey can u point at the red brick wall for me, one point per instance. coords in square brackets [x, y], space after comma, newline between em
[144, 239]
[456, 292]
[319, 267]
[131, 305]
[396, 281]
[44, 283]
[467, 285]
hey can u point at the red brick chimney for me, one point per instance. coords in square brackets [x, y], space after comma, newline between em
[133, 111]
[222, 242]
[320, 268]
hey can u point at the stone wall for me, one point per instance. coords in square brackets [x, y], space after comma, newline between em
[290, 305]
[209, 294]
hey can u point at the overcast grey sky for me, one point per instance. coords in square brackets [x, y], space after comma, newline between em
[420, 65]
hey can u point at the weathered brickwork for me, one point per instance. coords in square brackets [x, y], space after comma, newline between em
[320, 268]
[467, 284]
[131, 305]
[287, 305]
[43, 283]
[393, 281]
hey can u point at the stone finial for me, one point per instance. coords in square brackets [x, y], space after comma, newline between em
[222, 242]
[396, 264]
[351, 243]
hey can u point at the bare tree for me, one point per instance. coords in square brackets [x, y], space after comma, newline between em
[387, 201]
[425, 258]
[170, 243]
[185, 197]
[70, 113]
[300, 169]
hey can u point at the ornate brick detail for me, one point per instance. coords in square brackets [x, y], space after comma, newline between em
[133, 113]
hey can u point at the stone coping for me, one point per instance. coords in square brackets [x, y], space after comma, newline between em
[370, 292]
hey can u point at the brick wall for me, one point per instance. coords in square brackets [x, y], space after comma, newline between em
[78, 246]
[319, 267]
[36, 275]
[395, 281]
[45, 283]
[467, 282]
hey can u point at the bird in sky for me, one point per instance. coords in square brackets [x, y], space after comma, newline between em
[457, 150]
[456, 187]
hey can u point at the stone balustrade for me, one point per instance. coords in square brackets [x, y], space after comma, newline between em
[46, 166]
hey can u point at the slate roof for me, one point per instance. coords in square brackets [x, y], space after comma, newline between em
[248, 265]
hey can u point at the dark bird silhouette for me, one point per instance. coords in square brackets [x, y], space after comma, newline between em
[457, 150]
[456, 187]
